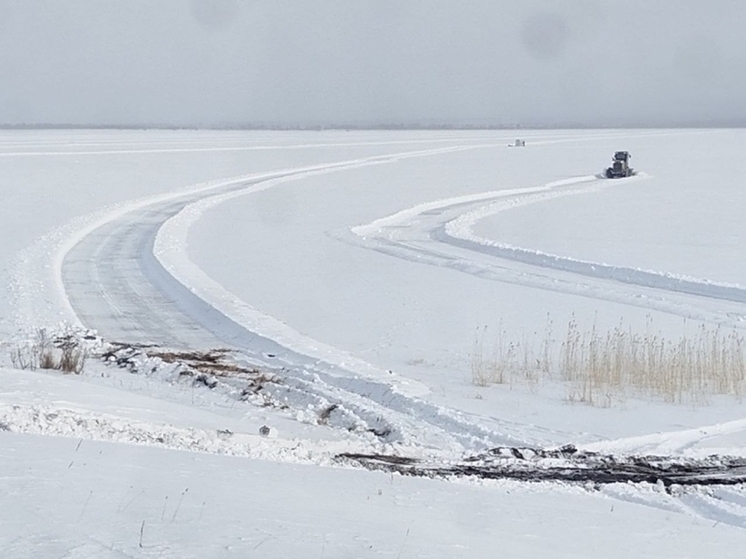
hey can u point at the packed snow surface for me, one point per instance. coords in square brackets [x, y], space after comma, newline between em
[265, 302]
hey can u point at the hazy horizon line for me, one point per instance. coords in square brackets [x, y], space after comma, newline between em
[373, 126]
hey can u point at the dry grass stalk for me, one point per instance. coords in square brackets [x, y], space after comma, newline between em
[63, 353]
[600, 367]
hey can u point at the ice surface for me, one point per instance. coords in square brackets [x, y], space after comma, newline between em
[348, 271]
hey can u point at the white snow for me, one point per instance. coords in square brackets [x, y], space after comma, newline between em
[93, 499]
[372, 260]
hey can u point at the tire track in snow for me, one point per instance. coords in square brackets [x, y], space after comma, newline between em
[217, 149]
[182, 146]
[460, 232]
[128, 276]
[440, 233]
[438, 425]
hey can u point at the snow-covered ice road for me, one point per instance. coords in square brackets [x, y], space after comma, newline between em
[125, 273]
[117, 281]
[112, 280]
[440, 233]
[116, 285]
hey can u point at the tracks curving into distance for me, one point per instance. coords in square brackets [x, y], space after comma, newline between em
[116, 285]
[129, 278]
[440, 234]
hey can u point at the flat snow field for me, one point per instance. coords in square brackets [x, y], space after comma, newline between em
[370, 273]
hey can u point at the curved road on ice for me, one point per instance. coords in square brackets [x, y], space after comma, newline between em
[116, 285]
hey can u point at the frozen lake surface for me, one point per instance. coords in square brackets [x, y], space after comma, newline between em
[365, 272]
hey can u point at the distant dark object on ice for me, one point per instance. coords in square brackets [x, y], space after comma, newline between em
[620, 167]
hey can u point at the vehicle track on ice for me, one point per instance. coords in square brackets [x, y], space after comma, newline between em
[117, 286]
[439, 233]
[568, 464]
[710, 487]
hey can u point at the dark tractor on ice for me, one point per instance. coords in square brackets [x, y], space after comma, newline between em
[620, 167]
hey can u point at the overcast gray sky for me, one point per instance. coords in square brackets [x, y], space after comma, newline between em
[212, 62]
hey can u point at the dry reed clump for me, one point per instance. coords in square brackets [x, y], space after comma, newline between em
[603, 366]
[687, 369]
[62, 352]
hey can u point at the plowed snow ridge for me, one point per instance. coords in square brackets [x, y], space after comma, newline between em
[127, 275]
[441, 233]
